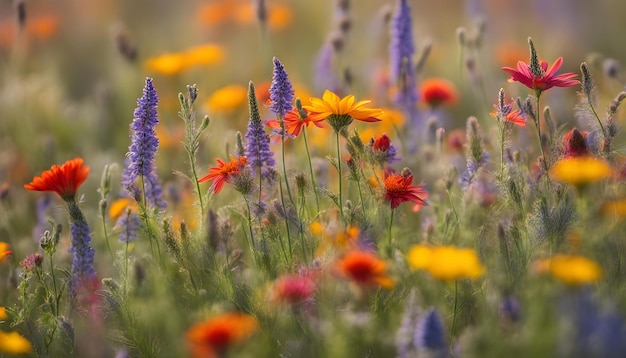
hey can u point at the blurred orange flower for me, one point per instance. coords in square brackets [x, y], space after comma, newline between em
[580, 170]
[242, 12]
[228, 98]
[213, 337]
[446, 263]
[4, 252]
[119, 206]
[63, 180]
[572, 270]
[365, 269]
[14, 343]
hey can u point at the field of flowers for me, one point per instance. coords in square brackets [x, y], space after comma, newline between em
[275, 178]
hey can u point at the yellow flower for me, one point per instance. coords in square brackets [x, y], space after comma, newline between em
[207, 54]
[228, 98]
[580, 170]
[446, 263]
[14, 343]
[4, 252]
[167, 64]
[3, 314]
[574, 270]
[339, 112]
[118, 207]
[615, 207]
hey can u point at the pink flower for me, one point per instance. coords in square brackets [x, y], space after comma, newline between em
[546, 80]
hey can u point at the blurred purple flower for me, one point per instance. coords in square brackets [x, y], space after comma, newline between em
[429, 332]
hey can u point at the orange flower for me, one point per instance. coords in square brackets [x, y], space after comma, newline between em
[398, 189]
[294, 123]
[4, 252]
[215, 335]
[63, 180]
[365, 269]
[437, 91]
[223, 173]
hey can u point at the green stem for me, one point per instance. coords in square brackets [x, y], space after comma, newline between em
[252, 243]
[146, 219]
[282, 147]
[358, 184]
[596, 115]
[340, 178]
[106, 235]
[456, 296]
[308, 154]
[195, 179]
[54, 284]
[389, 241]
[282, 200]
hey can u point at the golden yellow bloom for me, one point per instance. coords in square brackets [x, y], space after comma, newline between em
[167, 64]
[574, 270]
[14, 343]
[580, 170]
[339, 112]
[3, 314]
[207, 54]
[4, 252]
[118, 207]
[446, 263]
[228, 98]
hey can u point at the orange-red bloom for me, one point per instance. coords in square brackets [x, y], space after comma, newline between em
[398, 189]
[546, 80]
[63, 180]
[365, 269]
[515, 116]
[294, 123]
[437, 91]
[224, 173]
[574, 144]
[4, 252]
[217, 334]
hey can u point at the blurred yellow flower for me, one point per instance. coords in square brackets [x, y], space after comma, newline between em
[118, 207]
[446, 263]
[574, 270]
[14, 343]
[228, 98]
[334, 237]
[167, 64]
[4, 252]
[207, 54]
[169, 137]
[615, 207]
[3, 313]
[580, 170]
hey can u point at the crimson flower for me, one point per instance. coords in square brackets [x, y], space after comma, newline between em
[543, 81]
[63, 180]
[398, 189]
[574, 144]
[294, 123]
[223, 172]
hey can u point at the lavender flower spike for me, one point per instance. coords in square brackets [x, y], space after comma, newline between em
[82, 264]
[402, 47]
[144, 144]
[281, 91]
[257, 146]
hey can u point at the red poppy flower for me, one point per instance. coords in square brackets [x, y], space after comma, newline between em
[365, 269]
[398, 189]
[547, 80]
[215, 335]
[63, 180]
[294, 123]
[437, 91]
[223, 173]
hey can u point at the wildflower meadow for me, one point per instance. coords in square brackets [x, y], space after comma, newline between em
[286, 178]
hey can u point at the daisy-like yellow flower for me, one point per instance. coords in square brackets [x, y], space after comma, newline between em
[446, 263]
[340, 112]
[579, 171]
[574, 270]
[14, 343]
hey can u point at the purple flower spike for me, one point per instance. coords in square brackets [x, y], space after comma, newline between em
[257, 146]
[281, 91]
[402, 47]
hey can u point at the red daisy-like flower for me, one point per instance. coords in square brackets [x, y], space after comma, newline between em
[294, 123]
[546, 80]
[223, 173]
[63, 180]
[516, 117]
[398, 189]
[574, 144]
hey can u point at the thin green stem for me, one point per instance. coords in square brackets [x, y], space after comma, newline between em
[54, 285]
[192, 163]
[106, 234]
[308, 154]
[282, 200]
[340, 178]
[252, 243]
[593, 109]
[389, 241]
[146, 218]
[358, 185]
[456, 296]
[282, 147]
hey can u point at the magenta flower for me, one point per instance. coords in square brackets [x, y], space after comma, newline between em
[544, 80]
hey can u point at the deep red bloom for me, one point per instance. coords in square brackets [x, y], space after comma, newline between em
[398, 189]
[223, 172]
[574, 144]
[63, 180]
[547, 80]
[294, 123]
[382, 143]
